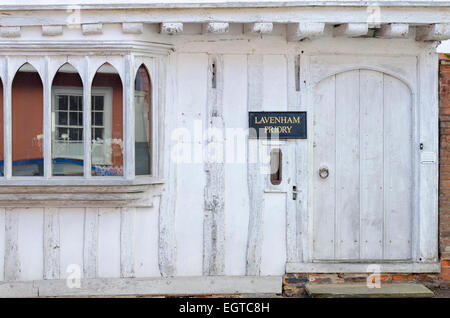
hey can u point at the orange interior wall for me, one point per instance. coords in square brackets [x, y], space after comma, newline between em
[1, 121]
[27, 97]
[27, 116]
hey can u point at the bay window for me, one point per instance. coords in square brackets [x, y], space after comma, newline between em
[77, 121]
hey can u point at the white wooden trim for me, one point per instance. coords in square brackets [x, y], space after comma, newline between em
[435, 32]
[393, 31]
[129, 117]
[351, 29]
[171, 28]
[216, 27]
[47, 118]
[90, 246]
[284, 14]
[300, 31]
[255, 179]
[52, 30]
[132, 28]
[10, 31]
[400, 267]
[87, 165]
[225, 4]
[167, 207]
[7, 121]
[214, 200]
[12, 263]
[92, 29]
[51, 244]
[213, 285]
[259, 28]
[428, 171]
[127, 244]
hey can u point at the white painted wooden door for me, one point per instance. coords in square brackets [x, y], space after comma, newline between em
[362, 136]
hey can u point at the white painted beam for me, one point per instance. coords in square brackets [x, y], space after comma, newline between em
[216, 27]
[200, 285]
[132, 28]
[351, 29]
[259, 28]
[434, 32]
[401, 267]
[10, 31]
[393, 31]
[92, 29]
[52, 30]
[300, 31]
[171, 28]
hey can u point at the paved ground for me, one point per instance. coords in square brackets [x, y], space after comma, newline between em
[441, 293]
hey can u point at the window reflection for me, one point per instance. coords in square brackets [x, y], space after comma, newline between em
[27, 123]
[67, 123]
[1, 129]
[142, 101]
[107, 123]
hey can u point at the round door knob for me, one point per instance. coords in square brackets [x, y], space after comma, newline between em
[324, 173]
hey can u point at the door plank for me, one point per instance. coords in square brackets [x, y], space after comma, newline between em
[347, 165]
[324, 154]
[397, 174]
[371, 91]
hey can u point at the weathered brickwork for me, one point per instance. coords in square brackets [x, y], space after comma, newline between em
[294, 284]
[444, 175]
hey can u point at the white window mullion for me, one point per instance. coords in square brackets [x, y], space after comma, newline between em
[47, 85]
[7, 121]
[128, 103]
[87, 119]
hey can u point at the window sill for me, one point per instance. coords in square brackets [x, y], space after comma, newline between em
[79, 192]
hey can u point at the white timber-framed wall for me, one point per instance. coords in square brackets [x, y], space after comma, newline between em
[196, 226]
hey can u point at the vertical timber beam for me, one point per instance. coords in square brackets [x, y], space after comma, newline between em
[214, 204]
[255, 181]
[12, 262]
[167, 247]
[51, 244]
[90, 246]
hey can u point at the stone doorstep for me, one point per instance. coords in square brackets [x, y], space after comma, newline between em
[392, 290]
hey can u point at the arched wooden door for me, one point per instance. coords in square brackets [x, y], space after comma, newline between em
[362, 153]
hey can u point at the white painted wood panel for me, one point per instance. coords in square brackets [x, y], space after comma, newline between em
[192, 76]
[2, 243]
[30, 243]
[274, 92]
[324, 156]
[371, 165]
[397, 169]
[237, 205]
[109, 242]
[347, 165]
[146, 243]
[273, 245]
[51, 243]
[71, 231]
[127, 242]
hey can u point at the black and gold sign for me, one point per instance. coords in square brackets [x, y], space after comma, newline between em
[284, 125]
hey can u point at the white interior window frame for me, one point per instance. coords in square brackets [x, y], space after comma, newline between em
[107, 93]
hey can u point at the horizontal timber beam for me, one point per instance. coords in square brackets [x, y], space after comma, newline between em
[200, 285]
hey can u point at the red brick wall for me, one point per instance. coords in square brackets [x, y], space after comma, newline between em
[444, 166]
